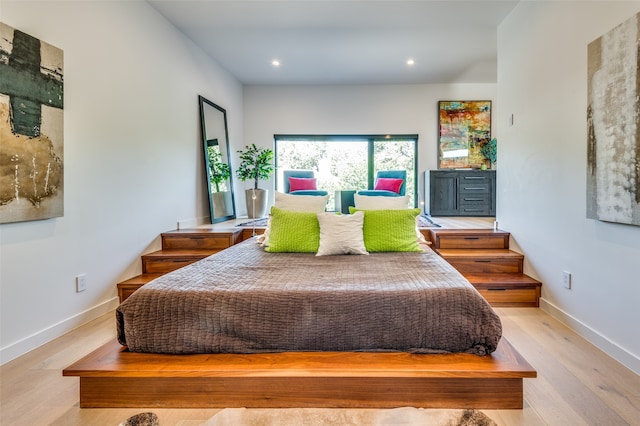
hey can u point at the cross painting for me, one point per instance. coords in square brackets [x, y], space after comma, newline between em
[31, 128]
[613, 119]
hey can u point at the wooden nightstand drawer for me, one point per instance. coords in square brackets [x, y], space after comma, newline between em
[507, 290]
[511, 297]
[126, 288]
[470, 241]
[198, 240]
[483, 260]
[487, 266]
[169, 260]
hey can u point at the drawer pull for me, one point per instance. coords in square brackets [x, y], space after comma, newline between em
[475, 177]
[482, 261]
[471, 188]
[474, 199]
[473, 210]
[497, 289]
[471, 238]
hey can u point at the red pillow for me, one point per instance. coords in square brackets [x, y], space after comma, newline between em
[389, 184]
[299, 184]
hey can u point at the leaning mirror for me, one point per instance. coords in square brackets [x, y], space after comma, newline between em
[215, 140]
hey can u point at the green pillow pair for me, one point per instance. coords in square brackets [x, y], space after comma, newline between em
[383, 231]
[390, 230]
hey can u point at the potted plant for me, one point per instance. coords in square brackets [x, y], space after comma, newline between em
[255, 164]
[490, 152]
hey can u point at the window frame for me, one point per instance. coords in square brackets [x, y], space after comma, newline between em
[369, 138]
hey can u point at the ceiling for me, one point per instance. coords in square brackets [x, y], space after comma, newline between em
[347, 41]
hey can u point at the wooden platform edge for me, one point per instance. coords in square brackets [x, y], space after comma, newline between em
[112, 377]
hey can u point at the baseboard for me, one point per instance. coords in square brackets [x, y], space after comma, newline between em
[192, 223]
[616, 352]
[29, 343]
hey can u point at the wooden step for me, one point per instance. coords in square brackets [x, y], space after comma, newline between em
[200, 239]
[127, 287]
[469, 238]
[483, 260]
[112, 377]
[163, 261]
[507, 290]
[248, 232]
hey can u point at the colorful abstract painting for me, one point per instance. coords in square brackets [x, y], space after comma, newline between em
[465, 127]
[31, 128]
[613, 134]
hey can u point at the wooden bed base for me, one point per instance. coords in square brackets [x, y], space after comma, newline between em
[112, 377]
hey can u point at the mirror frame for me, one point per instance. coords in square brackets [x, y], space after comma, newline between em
[223, 143]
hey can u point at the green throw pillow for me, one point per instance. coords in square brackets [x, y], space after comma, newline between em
[293, 232]
[390, 230]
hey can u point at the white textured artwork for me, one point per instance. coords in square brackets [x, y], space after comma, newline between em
[613, 154]
[31, 128]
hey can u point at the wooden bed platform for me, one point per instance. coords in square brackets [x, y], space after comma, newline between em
[112, 377]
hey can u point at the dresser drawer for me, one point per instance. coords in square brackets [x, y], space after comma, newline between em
[475, 188]
[474, 210]
[474, 199]
[474, 177]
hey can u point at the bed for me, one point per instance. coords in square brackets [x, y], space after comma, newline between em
[245, 300]
[259, 326]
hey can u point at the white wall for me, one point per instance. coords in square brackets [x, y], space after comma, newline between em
[378, 109]
[132, 156]
[542, 72]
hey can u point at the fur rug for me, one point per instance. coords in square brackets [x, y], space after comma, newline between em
[142, 419]
[351, 417]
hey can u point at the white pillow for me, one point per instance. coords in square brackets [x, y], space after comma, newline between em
[379, 202]
[341, 234]
[301, 203]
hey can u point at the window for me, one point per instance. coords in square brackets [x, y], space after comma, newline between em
[347, 162]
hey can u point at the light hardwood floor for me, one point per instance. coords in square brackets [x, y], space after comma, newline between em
[577, 384]
[461, 222]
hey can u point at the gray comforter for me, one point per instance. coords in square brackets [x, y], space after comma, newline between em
[243, 300]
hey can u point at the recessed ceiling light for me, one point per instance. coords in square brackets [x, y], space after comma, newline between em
[410, 62]
[275, 63]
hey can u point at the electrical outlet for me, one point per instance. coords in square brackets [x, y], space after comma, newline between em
[566, 279]
[81, 283]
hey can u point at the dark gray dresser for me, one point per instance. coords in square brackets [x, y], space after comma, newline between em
[461, 192]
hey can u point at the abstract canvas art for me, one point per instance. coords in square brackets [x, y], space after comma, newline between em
[465, 127]
[613, 133]
[31, 128]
